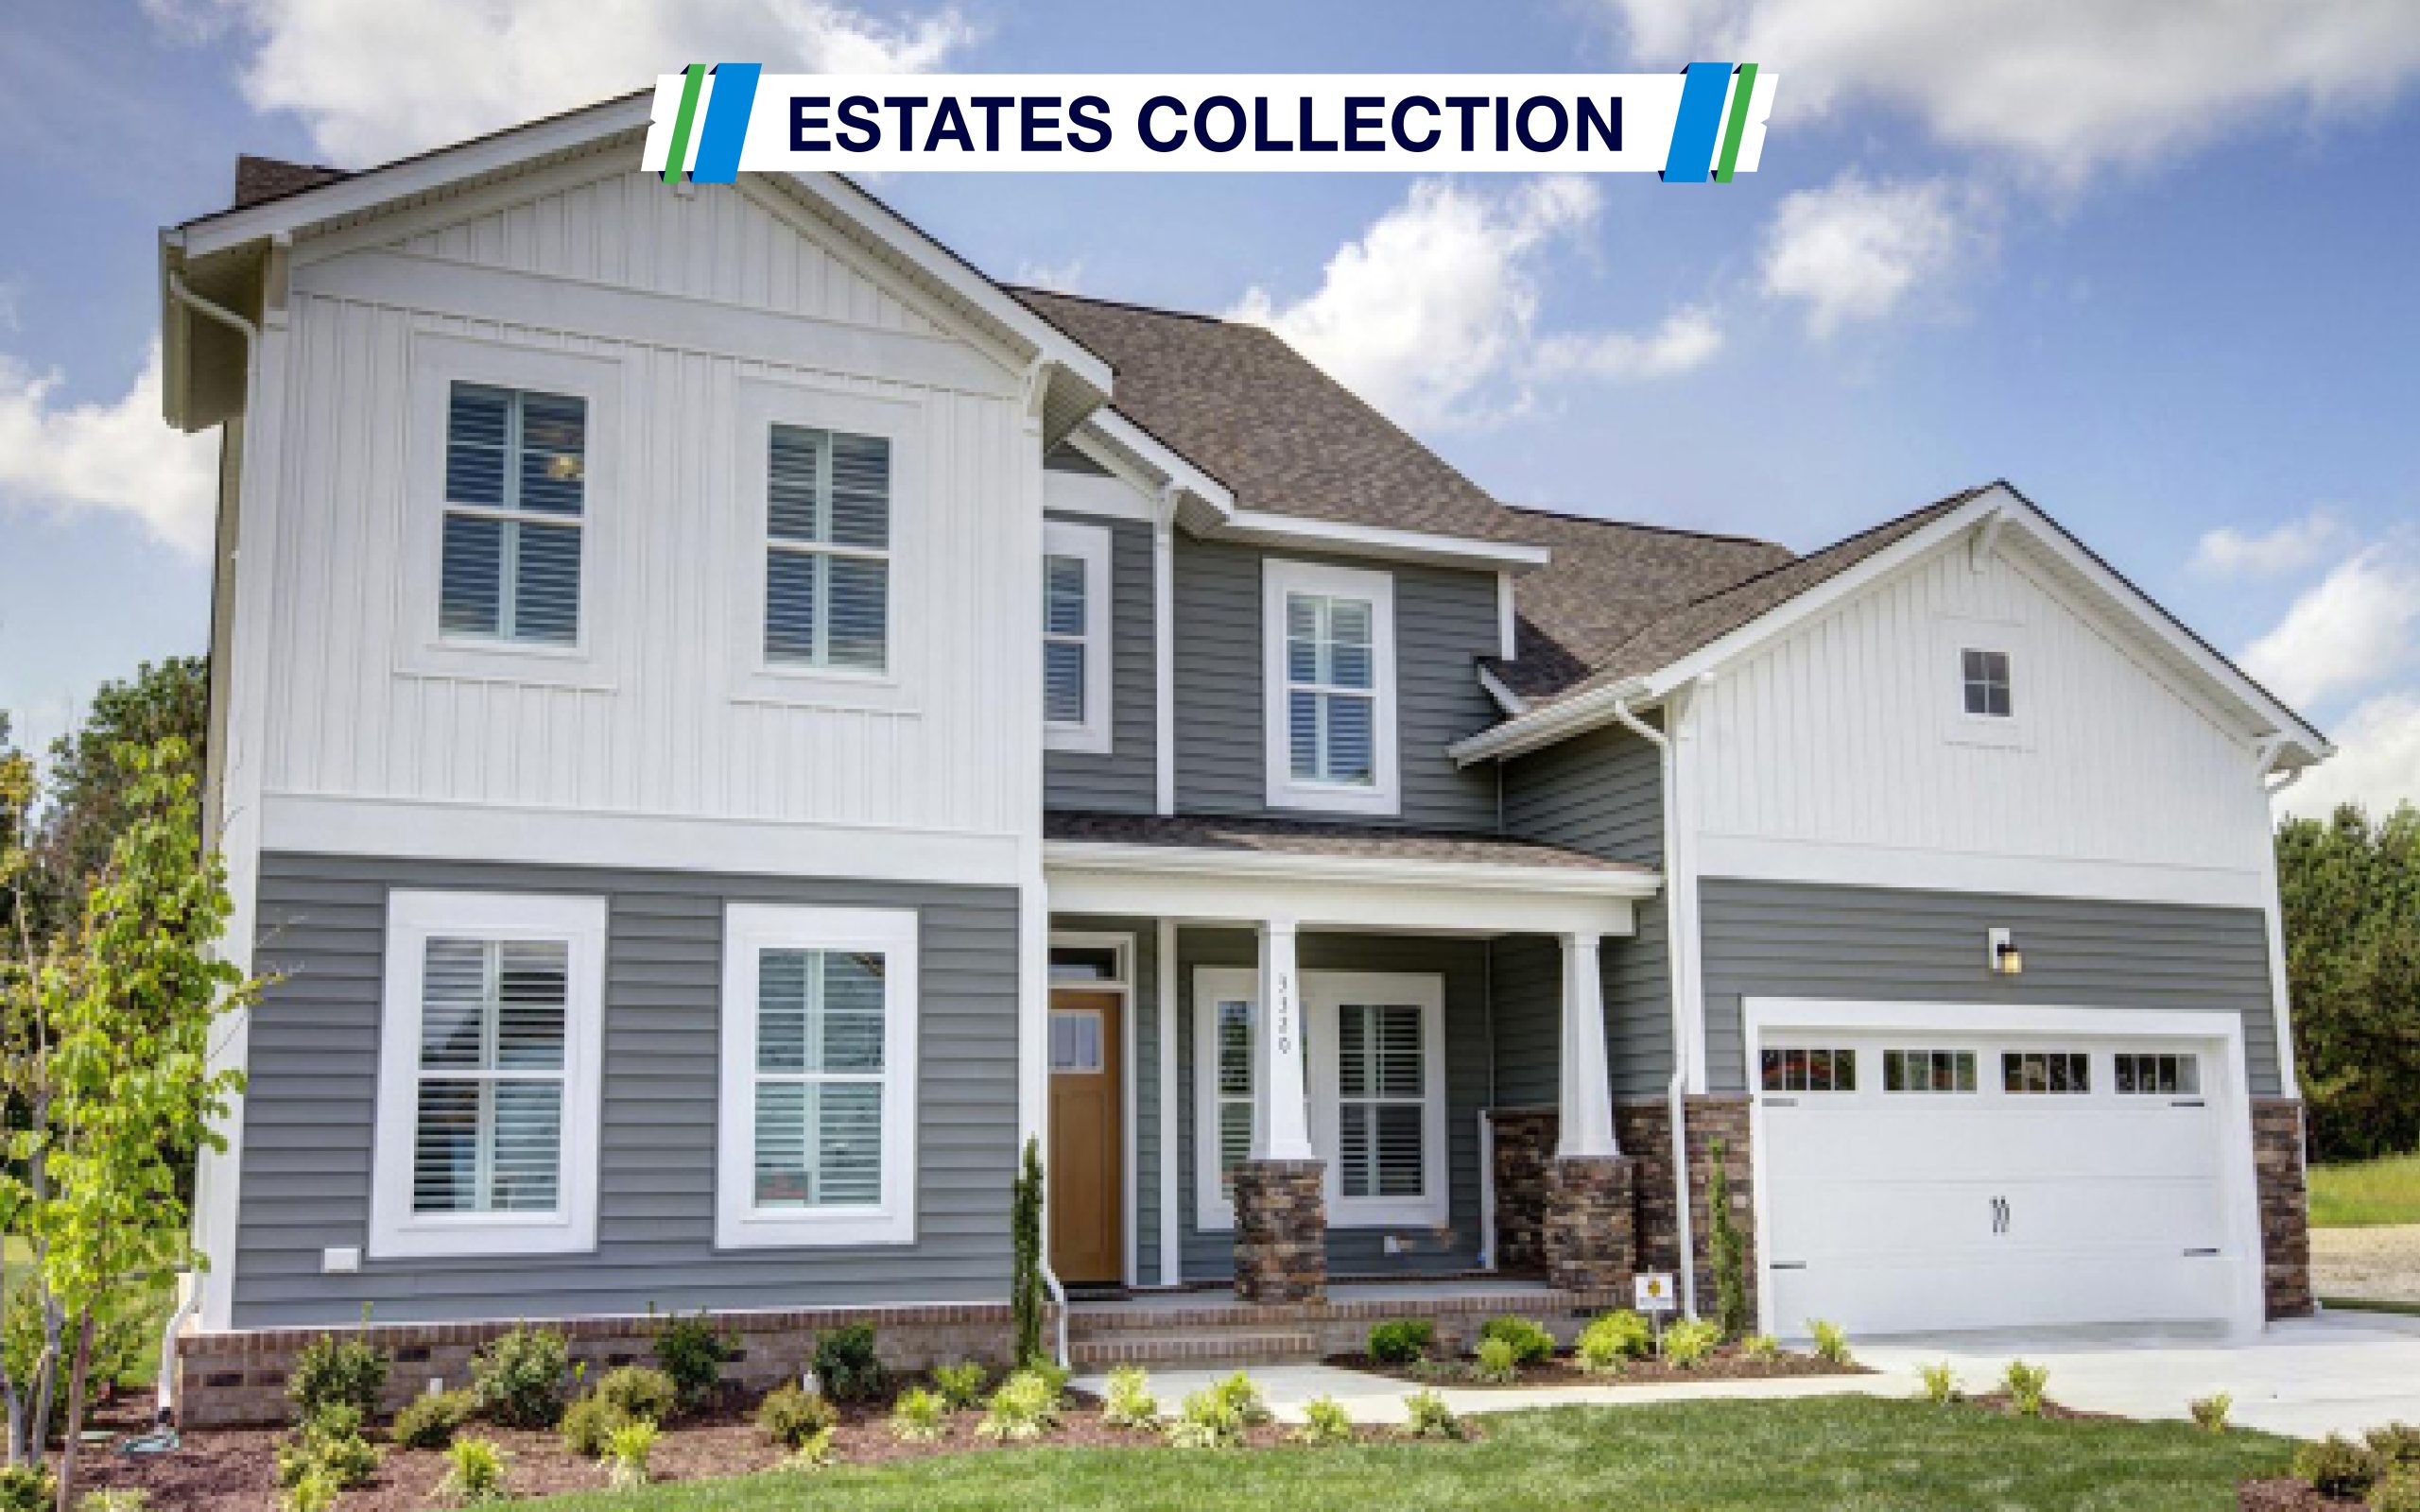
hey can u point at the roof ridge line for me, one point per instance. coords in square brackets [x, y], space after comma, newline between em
[1647, 524]
[1136, 306]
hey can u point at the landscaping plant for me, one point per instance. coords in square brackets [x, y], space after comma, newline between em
[641, 1393]
[1529, 1341]
[1128, 1403]
[919, 1417]
[2335, 1466]
[331, 1371]
[589, 1422]
[1761, 1348]
[962, 1385]
[1325, 1423]
[473, 1472]
[117, 1499]
[329, 1446]
[1425, 1416]
[518, 1378]
[1402, 1340]
[1725, 1253]
[1831, 1342]
[847, 1365]
[627, 1451]
[2398, 1490]
[1026, 1297]
[1216, 1416]
[2211, 1411]
[430, 1421]
[1687, 1344]
[2395, 1444]
[314, 1492]
[692, 1351]
[2024, 1384]
[1499, 1362]
[790, 1415]
[26, 1489]
[1610, 1340]
[814, 1452]
[1025, 1406]
[1941, 1384]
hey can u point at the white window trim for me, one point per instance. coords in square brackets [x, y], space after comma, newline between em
[438, 362]
[413, 919]
[1089, 544]
[752, 928]
[758, 405]
[1323, 995]
[1212, 1211]
[1281, 577]
[1955, 637]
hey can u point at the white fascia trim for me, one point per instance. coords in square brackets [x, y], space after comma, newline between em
[1506, 700]
[1260, 527]
[1096, 855]
[748, 930]
[1449, 907]
[396, 1231]
[1090, 545]
[1172, 468]
[1557, 721]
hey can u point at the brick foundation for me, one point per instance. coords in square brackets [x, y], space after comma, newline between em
[1280, 1231]
[238, 1378]
[1589, 1223]
[2285, 1213]
[1524, 1149]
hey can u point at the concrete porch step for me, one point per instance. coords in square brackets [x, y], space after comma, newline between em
[1227, 1347]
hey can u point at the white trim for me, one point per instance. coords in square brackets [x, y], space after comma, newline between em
[1089, 544]
[1850, 865]
[2147, 1026]
[1954, 635]
[1282, 579]
[1507, 702]
[1115, 497]
[412, 917]
[1164, 656]
[1446, 906]
[1171, 1221]
[1182, 474]
[748, 930]
[1508, 643]
[1102, 855]
[1386, 543]
[1212, 1211]
[1123, 985]
[1323, 996]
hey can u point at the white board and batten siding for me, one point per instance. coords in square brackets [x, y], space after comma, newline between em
[663, 739]
[1838, 754]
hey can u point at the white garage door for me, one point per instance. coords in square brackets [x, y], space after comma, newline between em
[1918, 1181]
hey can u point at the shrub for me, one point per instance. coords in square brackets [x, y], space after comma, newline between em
[1425, 1416]
[1831, 1342]
[331, 1371]
[1941, 1384]
[474, 1473]
[627, 1453]
[2337, 1467]
[790, 1415]
[1216, 1416]
[2398, 1490]
[2395, 1444]
[518, 1378]
[314, 1492]
[1612, 1338]
[1726, 1254]
[1130, 1403]
[1499, 1362]
[331, 1446]
[919, 1416]
[2211, 1411]
[962, 1385]
[1687, 1344]
[846, 1364]
[1761, 1348]
[1402, 1340]
[1025, 1275]
[589, 1422]
[641, 1392]
[1025, 1406]
[2024, 1384]
[1531, 1343]
[430, 1421]
[814, 1452]
[1325, 1423]
[26, 1489]
[692, 1351]
[117, 1499]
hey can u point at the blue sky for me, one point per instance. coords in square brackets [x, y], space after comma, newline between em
[2152, 262]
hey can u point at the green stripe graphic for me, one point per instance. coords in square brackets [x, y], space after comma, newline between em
[1739, 126]
[678, 159]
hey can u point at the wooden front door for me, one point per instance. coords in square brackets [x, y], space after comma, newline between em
[1087, 1140]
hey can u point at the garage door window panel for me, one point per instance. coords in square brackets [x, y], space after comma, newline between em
[1796, 1069]
[2157, 1075]
[2045, 1072]
[1929, 1071]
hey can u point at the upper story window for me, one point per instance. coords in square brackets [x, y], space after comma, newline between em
[1330, 678]
[1076, 637]
[1985, 676]
[827, 569]
[516, 475]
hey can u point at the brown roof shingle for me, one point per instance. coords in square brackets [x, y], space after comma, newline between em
[1300, 837]
[258, 181]
[1239, 403]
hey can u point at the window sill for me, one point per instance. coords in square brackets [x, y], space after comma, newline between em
[863, 1228]
[472, 1237]
[808, 687]
[1324, 798]
[505, 662]
[1076, 740]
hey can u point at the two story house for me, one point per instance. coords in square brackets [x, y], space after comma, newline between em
[727, 721]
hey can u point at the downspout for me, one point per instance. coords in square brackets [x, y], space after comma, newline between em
[1676, 1090]
[1034, 910]
[165, 1398]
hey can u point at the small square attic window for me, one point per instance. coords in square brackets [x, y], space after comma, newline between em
[1986, 678]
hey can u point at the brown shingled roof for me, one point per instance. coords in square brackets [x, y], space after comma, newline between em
[258, 181]
[1239, 403]
[1300, 837]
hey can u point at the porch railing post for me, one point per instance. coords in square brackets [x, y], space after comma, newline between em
[1585, 1120]
[1281, 1113]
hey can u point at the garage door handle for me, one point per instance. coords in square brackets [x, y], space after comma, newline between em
[1999, 1215]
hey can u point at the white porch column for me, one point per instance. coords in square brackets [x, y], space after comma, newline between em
[1584, 1124]
[1280, 1111]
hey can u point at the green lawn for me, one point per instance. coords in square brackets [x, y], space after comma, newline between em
[1816, 1455]
[2366, 1196]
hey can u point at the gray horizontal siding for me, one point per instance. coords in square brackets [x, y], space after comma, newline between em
[1444, 622]
[1789, 939]
[1210, 1255]
[1526, 980]
[1126, 781]
[1144, 973]
[308, 1134]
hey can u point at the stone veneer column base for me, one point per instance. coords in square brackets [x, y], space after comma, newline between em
[2285, 1212]
[1590, 1229]
[1280, 1231]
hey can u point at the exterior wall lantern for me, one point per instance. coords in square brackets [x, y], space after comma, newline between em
[2001, 954]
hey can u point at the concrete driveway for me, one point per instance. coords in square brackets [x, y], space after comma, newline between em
[2340, 1372]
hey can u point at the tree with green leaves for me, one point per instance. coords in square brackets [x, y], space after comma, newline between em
[2349, 888]
[91, 797]
[1024, 1281]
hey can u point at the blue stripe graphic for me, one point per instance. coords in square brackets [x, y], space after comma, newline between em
[727, 115]
[1693, 133]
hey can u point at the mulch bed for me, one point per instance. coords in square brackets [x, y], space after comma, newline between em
[2287, 1494]
[2000, 1401]
[234, 1469]
[1727, 1363]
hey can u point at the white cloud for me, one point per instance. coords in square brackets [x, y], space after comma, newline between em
[2276, 552]
[1688, 339]
[1852, 250]
[377, 79]
[1060, 278]
[2066, 85]
[2353, 630]
[118, 456]
[2376, 763]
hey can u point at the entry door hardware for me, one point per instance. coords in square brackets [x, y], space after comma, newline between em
[1999, 1215]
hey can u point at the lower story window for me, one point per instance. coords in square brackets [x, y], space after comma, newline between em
[818, 1053]
[2158, 1075]
[1927, 1071]
[1381, 1103]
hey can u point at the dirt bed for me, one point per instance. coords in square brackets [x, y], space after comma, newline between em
[1727, 1363]
[2367, 1264]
